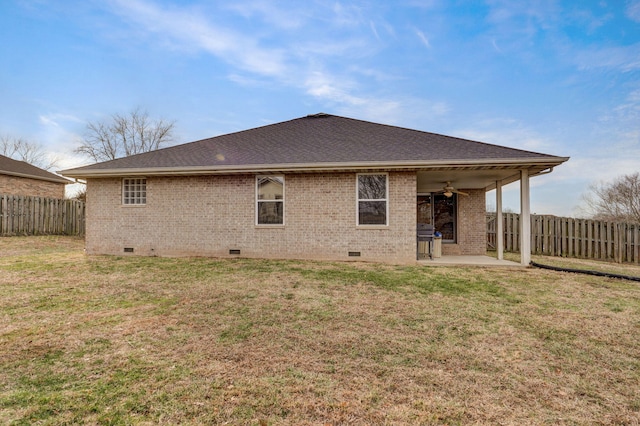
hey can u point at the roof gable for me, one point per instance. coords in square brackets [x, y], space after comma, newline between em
[318, 139]
[9, 166]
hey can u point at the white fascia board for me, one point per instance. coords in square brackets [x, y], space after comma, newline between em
[313, 167]
[60, 179]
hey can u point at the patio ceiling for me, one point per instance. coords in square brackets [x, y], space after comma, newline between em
[479, 178]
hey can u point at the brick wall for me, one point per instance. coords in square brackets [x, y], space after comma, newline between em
[210, 215]
[13, 185]
[472, 227]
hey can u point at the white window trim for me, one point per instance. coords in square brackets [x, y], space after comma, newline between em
[386, 200]
[122, 184]
[257, 201]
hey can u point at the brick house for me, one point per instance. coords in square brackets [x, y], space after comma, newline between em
[20, 178]
[316, 187]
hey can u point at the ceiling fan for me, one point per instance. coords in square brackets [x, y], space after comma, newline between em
[449, 190]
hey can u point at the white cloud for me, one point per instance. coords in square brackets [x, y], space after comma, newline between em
[313, 64]
[290, 18]
[522, 18]
[629, 110]
[325, 86]
[346, 14]
[494, 43]
[623, 58]
[189, 29]
[293, 63]
[620, 126]
[425, 4]
[355, 46]
[55, 119]
[633, 10]
[374, 30]
[507, 132]
[244, 80]
[423, 39]
[47, 121]
[578, 173]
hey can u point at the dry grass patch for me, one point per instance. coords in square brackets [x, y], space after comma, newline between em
[129, 340]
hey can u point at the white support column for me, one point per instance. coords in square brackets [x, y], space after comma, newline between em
[525, 219]
[499, 221]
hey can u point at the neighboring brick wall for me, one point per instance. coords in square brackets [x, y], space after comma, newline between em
[472, 227]
[210, 215]
[14, 185]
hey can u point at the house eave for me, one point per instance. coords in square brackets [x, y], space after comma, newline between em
[538, 164]
[61, 180]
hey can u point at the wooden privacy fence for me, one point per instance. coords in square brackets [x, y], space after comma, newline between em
[22, 215]
[569, 237]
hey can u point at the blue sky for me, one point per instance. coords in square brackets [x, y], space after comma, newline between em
[558, 77]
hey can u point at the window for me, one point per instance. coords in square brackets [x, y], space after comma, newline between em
[270, 200]
[134, 191]
[372, 196]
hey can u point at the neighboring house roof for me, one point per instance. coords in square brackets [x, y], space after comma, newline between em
[11, 167]
[319, 142]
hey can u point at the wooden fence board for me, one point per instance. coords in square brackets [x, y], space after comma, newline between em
[23, 215]
[583, 238]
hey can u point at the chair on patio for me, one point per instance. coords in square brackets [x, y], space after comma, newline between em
[425, 234]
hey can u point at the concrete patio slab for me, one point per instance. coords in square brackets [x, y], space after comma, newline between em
[469, 261]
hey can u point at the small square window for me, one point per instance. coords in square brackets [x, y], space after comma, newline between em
[134, 191]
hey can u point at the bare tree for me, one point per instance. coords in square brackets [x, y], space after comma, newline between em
[80, 195]
[24, 150]
[615, 201]
[125, 135]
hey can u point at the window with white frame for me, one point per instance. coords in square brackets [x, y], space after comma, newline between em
[134, 191]
[373, 197]
[270, 200]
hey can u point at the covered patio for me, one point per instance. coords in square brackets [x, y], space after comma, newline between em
[489, 177]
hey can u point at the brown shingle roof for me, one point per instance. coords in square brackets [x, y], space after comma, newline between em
[9, 166]
[319, 139]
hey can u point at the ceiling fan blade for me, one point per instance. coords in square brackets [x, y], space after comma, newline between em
[449, 190]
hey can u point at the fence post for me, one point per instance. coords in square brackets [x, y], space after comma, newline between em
[3, 214]
[636, 243]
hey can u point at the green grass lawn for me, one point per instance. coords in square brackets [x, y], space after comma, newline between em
[134, 340]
